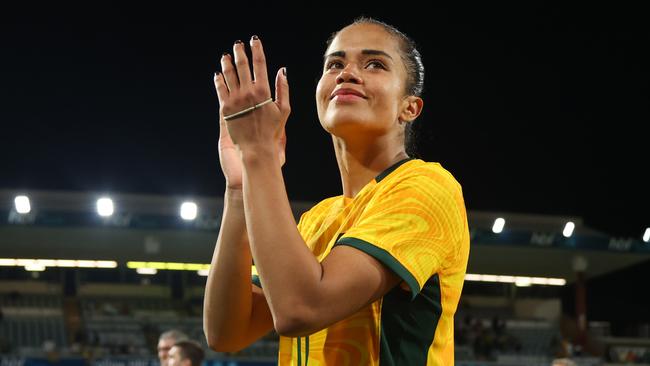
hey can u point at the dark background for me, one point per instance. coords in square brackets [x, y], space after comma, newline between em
[534, 108]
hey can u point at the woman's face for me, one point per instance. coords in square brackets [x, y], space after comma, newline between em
[361, 91]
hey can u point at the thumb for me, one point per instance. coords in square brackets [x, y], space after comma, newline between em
[282, 92]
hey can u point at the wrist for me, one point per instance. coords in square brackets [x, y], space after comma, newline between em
[234, 194]
[259, 154]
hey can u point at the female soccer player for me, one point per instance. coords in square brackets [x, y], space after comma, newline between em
[370, 277]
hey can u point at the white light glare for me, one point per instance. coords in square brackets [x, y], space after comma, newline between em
[147, 271]
[498, 225]
[22, 204]
[568, 229]
[203, 272]
[646, 235]
[7, 262]
[35, 267]
[188, 210]
[520, 281]
[105, 206]
[106, 264]
[523, 282]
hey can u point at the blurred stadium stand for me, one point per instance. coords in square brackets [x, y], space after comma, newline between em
[113, 316]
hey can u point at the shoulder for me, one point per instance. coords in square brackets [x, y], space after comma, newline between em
[424, 175]
[321, 208]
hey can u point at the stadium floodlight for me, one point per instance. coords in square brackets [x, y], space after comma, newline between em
[188, 211]
[646, 235]
[146, 271]
[203, 272]
[105, 206]
[568, 229]
[498, 225]
[22, 204]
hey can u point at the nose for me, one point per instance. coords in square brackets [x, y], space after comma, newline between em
[348, 74]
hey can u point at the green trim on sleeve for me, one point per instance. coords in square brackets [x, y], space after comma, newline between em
[408, 326]
[255, 279]
[385, 258]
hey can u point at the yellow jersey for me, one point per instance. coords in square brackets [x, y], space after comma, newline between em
[411, 218]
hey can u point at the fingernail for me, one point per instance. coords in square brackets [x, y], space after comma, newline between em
[238, 41]
[255, 37]
[225, 54]
[284, 71]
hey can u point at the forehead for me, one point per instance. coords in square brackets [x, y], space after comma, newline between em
[357, 37]
[166, 342]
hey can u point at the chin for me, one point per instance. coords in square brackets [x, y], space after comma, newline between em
[349, 127]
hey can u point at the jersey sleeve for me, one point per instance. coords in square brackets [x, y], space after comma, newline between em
[412, 227]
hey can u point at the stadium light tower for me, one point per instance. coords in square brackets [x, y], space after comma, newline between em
[22, 204]
[188, 211]
[105, 206]
[498, 225]
[568, 229]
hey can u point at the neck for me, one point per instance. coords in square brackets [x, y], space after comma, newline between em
[360, 162]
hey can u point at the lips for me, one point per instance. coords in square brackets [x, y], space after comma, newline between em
[347, 91]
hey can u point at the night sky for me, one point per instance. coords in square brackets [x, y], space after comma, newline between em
[534, 108]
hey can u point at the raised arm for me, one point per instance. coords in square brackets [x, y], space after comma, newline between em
[235, 312]
[303, 294]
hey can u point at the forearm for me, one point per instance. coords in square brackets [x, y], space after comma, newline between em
[289, 272]
[228, 297]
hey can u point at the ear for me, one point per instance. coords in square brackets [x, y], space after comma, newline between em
[411, 108]
[186, 362]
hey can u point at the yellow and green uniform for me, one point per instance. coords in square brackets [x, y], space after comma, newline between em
[412, 219]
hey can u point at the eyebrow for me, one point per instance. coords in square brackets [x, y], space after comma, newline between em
[363, 52]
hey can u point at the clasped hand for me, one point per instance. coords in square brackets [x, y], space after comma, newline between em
[249, 122]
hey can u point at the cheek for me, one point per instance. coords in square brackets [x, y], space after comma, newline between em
[322, 94]
[388, 99]
[320, 90]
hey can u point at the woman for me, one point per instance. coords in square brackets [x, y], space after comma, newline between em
[366, 278]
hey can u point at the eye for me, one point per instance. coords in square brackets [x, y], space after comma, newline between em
[333, 64]
[375, 64]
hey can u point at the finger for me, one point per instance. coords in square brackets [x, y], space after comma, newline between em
[229, 73]
[220, 85]
[282, 92]
[282, 145]
[222, 93]
[259, 65]
[241, 63]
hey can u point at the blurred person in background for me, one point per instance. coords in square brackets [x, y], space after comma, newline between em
[185, 353]
[167, 341]
[563, 362]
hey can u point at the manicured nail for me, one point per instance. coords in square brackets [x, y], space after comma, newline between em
[238, 41]
[225, 54]
[255, 37]
[284, 71]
